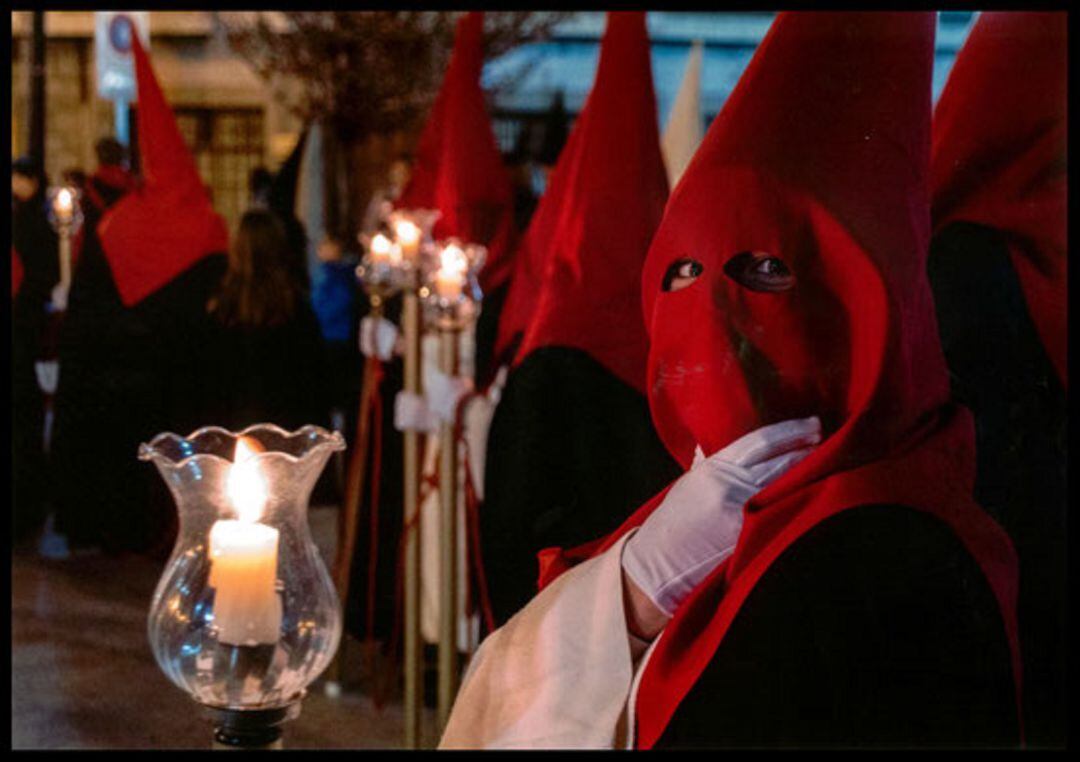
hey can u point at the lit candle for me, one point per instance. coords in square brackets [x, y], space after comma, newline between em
[243, 558]
[64, 204]
[383, 251]
[408, 236]
[63, 208]
[450, 278]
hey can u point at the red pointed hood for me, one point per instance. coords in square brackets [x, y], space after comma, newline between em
[613, 189]
[817, 163]
[532, 254]
[458, 168]
[168, 224]
[999, 154]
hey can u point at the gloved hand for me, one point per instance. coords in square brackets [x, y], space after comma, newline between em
[378, 337]
[696, 526]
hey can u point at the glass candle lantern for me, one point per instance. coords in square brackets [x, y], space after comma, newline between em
[65, 209]
[245, 615]
[451, 290]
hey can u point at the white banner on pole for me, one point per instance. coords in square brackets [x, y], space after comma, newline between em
[112, 47]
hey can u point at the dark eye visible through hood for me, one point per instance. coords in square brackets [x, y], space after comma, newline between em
[758, 271]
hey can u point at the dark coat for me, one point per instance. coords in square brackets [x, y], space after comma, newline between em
[36, 242]
[875, 629]
[571, 454]
[999, 368]
[125, 376]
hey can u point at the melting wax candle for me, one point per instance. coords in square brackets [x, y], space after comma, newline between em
[450, 278]
[243, 553]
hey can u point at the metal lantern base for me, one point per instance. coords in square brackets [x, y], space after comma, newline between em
[240, 729]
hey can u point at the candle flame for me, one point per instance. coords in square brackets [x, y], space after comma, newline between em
[380, 244]
[64, 200]
[407, 231]
[382, 247]
[246, 487]
[453, 261]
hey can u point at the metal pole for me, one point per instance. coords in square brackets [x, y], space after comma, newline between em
[37, 89]
[448, 556]
[121, 123]
[65, 258]
[354, 487]
[411, 327]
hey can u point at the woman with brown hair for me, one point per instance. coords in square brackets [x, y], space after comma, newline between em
[266, 358]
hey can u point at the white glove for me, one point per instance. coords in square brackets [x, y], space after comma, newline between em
[696, 526]
[411, 413]
[377, 337]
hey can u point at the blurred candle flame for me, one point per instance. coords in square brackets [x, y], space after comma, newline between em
[407, 232]
[246, 487]
[382, 249]
[65, 201]
[452, 259]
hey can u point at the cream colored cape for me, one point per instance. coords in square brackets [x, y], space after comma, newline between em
[560, 674]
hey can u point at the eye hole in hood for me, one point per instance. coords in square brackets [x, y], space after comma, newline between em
[758, 271]
[681, 273]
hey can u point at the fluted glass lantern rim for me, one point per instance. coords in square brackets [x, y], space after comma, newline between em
[305, 444]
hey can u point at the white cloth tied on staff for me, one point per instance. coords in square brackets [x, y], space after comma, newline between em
[48, 375]
[438, 404]
[378, 338]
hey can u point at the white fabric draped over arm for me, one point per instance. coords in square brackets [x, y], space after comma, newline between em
[558, 674]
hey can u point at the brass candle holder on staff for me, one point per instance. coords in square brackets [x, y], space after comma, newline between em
[65, 216]
[393, 268]
[379, 273]
[451, 298]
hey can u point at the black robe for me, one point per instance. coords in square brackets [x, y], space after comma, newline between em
[875, 629]
[36, 242]
[125, 375]
[267, 374]
[571, 453]
[1000, 370]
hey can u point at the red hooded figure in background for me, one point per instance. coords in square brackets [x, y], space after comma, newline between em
[460, 172]
[168, 224]
[571, 450]
[130, 345]
[998, 269]
[868, 599]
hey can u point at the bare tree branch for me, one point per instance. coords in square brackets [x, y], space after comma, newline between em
[365, 72]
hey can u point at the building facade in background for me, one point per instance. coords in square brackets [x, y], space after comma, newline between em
[225, 112]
